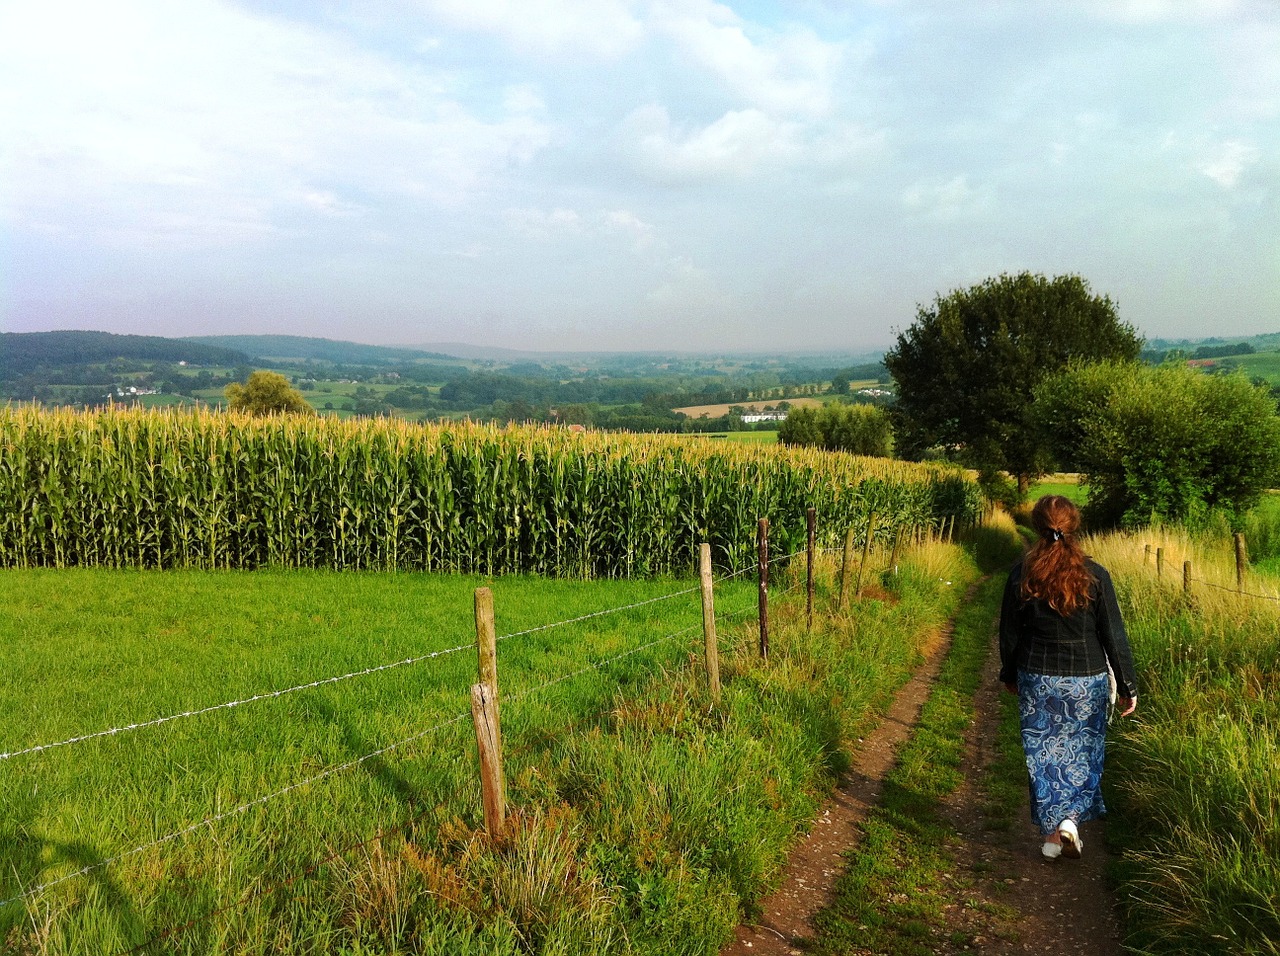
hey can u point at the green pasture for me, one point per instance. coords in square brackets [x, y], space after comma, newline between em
[346, 818]
[1265, 365]
[88, 651]
[1073, 490]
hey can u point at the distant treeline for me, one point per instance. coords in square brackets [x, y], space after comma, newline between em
[1155, 355]
[1222, 351]
[22, 353]
[306, 349]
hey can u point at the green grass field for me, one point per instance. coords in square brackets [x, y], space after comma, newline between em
[1264, 365]
[1197, 773]
[644, 819]
[1068, 489]
[88, 651]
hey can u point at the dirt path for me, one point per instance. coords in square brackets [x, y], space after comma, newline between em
[1059, 907]
[1014, 902]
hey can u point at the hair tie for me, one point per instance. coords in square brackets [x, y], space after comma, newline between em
[1054, 535]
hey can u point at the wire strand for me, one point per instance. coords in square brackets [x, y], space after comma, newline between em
[594, 614]
[259, 892]
[599, 664]
[233, 703]
[141, 725]
[328, 772]
[209, 821]
[1220, 587]
[219, 817]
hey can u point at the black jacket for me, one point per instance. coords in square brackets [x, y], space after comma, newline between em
[1037, 639]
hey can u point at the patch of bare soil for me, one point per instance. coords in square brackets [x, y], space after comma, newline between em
[1013, 901]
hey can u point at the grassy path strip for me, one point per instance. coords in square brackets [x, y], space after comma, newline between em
[902, 884]
[787, 914]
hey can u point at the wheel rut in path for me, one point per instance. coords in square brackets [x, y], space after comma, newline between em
[1014, 903]
[811, 872]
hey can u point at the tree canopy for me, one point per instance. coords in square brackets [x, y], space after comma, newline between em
[859, 429]
[266, 393]
[1168, 441]
[967, 369]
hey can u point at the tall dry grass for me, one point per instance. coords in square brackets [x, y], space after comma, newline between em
[1197, 770]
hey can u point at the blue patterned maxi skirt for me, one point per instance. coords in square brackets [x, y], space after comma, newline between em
[1064, 734]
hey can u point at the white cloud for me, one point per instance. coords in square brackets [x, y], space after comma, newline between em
[786, 73]
[1229, 161]
[688, 289]
[944, 200]
[523, 98]
[1165, 11]
[737, 144]
[353, 159]
[624, 222]
[147, 116]
[328, 203]
[542, 224]
[602, 28]
[545, 225]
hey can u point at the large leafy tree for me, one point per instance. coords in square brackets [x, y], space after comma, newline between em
[1170, 442]
[967, 368]
[266, 393]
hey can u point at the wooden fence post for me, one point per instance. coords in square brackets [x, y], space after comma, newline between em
[487, 651]
[1186, 577]
[1146, 555]
[1159, 562]
[866, 549]
[762, 546]
[493, 790]
[846, 568]
[1242, 560]
[812, 520]
[709, 622]
[893, 556]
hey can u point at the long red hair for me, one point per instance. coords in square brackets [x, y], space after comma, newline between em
[1054, 569]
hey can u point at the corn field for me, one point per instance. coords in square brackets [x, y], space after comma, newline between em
[169, 489]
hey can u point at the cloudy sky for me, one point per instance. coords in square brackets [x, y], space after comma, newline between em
[592, 174]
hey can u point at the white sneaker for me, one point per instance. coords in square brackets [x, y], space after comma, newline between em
[1072, 845]
[1051, 851]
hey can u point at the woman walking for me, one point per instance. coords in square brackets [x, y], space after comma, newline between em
[1060, 629]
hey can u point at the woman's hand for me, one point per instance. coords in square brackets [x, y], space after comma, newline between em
[1127, 705]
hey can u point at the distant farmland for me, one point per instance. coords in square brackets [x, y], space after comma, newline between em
[717, 411]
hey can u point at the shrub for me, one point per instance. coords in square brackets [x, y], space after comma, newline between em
[858, 429]
[1168, 441]
[999, 488]
[266, 393]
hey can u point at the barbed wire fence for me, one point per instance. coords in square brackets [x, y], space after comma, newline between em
[210, 821]
[1188, 578]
